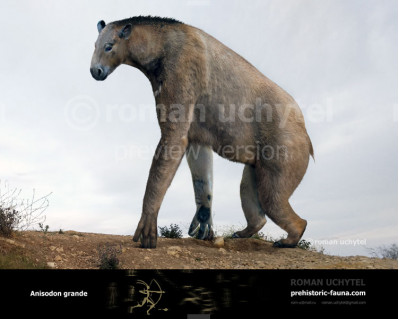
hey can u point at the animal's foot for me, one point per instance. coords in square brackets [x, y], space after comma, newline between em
[201, 226]
[281, 244]
[147, 232]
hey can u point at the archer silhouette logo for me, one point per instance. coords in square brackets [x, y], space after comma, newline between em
[152, 295]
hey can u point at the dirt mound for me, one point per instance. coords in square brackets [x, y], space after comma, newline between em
[73, 250]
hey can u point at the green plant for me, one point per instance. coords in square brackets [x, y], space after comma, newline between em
[44, 229]
[9, 219]
[228, 231]
[108, 256]
[173, 231]
[259, 235]
[304, 244]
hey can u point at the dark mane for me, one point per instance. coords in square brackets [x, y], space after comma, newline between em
[146, 20]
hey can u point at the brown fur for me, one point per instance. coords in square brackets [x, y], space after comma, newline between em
[188, 67]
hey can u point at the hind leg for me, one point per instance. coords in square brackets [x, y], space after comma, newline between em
[200, 161]
[294, 225]
[274, 188]
[253, 212]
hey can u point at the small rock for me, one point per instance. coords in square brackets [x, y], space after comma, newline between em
[219, 242]
[51, 264]
[175, 248]
[222, 250]
[52, 248]
[147, 258]
[75, 236]
[173, 253]
[58, 258]
[60, 250]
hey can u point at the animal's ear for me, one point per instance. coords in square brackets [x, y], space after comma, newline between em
[125, 32]
[100, 25]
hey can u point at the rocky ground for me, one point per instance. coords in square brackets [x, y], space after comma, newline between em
[73, 250]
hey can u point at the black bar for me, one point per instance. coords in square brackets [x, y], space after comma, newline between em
[178, 293]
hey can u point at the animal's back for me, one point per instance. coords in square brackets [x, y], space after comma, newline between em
[235, 85]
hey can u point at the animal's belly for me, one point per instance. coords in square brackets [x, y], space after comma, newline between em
[234, 143]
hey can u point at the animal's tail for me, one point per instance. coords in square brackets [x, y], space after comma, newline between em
[311, 148]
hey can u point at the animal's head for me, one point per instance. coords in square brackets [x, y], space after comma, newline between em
[110, 50]
[137, 41]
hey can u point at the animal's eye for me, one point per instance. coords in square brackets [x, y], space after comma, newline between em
[108, 47]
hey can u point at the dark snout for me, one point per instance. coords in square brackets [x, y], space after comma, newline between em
[99, 72]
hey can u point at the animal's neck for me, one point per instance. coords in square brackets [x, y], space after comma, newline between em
[160, 63]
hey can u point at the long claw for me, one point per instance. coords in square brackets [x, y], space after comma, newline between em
[201, 226]
[202, 231]
[194, 227]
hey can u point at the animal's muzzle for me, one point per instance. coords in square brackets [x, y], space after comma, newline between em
[99, 73]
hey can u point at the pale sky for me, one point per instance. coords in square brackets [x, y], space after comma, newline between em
[91, 143]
